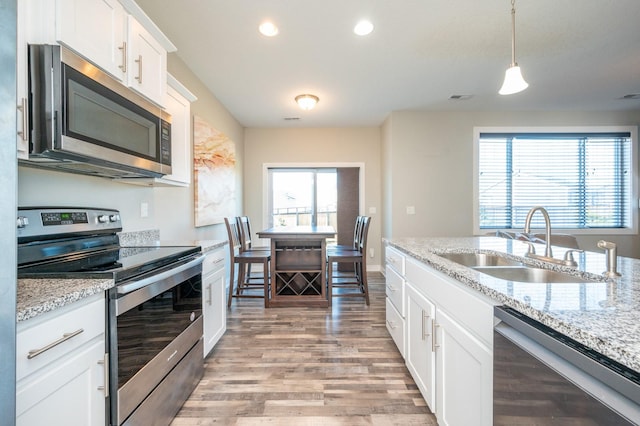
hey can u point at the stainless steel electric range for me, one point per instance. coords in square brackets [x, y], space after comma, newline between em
[154, 311]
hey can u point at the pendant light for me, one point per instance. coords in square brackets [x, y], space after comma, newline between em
[513, 81]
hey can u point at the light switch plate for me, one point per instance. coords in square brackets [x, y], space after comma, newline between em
[411, 210]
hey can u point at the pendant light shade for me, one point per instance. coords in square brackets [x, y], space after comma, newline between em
[513, 80]
[306, 101]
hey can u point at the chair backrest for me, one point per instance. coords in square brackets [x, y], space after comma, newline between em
[244, 226]
[357, 230]
[234, 237]
[364, 232]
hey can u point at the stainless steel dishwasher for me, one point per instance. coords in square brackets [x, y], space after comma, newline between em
[543, 377]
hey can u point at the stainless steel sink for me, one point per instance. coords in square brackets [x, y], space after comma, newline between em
[479, 259]
[531, 275]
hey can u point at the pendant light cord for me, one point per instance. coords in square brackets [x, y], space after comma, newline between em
[513, 33]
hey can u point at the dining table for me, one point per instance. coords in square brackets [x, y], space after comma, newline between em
[298, 265]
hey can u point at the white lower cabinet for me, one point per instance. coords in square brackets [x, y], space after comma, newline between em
[214, 308]
[420, 356]
[449, 340]
[464, 376]
[61, 366]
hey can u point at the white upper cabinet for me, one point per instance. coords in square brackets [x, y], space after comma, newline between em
[147, 62]
[114, 35]
[96, 29]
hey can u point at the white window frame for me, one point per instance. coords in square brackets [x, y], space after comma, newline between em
[633, 196]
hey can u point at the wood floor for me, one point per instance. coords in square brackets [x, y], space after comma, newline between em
[307, 367]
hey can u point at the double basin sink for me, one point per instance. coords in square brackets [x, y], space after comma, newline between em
[511, 270]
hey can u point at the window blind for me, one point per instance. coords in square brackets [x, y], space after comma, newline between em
[582, 180]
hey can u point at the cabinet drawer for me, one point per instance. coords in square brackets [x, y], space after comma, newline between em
[71, 326]
[395, 326]
[213, 261]
[395, 259]
[395, 290]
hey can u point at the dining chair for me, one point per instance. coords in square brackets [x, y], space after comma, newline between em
[356, 234]
[358, 256]
[244, 226]
[241, 287]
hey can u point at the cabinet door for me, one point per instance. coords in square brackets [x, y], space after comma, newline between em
[180, 109]
[96, 30]
[147, 63]
[464, 376]
[214, 307]
[69, 392]
[420, 356]
[21, 81]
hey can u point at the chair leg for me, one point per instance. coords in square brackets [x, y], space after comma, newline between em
[231, 279]
[330, 282]
[265, 270]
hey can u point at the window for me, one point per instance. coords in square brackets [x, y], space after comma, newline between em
[584, 180]
[302, 196]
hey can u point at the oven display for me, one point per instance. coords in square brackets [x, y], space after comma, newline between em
[66, 218]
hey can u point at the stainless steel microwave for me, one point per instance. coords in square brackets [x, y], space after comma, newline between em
[81, 120]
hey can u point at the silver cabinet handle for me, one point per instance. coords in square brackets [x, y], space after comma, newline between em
[105, 363]
[123, 49]
[433, 339]
[392, 288]
[208, 302]
[25, 122]
[139, 61]
[66, 336]
[425, 317]
[392, 325]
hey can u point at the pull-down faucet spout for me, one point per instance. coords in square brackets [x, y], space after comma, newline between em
[547, 222]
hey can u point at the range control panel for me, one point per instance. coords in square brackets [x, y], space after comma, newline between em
[46, 221]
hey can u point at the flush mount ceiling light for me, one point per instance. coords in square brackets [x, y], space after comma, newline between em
[268, 29]
[513, 81]
[363, 28]
[306, 101]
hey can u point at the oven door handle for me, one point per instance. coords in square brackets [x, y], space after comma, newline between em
[135, 285]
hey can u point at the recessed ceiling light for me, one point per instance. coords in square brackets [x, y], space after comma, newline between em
[363, 28]
[268, 29]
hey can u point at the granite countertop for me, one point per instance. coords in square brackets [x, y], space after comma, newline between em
[37, 296]
[602, 315]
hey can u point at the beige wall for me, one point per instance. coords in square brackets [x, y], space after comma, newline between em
[429, 156]
[317, 146]
[170, 209]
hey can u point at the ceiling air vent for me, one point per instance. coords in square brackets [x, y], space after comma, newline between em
[632, 96]
[460, 97]
[291, 118]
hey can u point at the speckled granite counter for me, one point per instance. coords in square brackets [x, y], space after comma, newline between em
[603, 315]
[37, 296]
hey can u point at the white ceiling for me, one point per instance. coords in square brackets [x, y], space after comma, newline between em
[575, 55]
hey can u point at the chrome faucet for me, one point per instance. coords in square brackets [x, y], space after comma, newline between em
[547, 223]
[548, 255]
[611, 250]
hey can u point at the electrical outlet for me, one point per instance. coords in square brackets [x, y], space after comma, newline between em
[411, 210]
[144, 209]
[371, 252]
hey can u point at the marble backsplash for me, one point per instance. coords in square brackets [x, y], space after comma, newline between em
[137, 238]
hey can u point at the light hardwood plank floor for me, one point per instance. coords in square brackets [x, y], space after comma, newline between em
[307, 367]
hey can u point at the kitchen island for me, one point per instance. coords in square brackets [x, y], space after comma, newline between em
[441, 315]
[607, 321]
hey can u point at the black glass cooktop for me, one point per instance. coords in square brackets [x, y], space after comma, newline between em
[117, 263]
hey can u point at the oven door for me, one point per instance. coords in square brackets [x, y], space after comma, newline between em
[153, 323]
